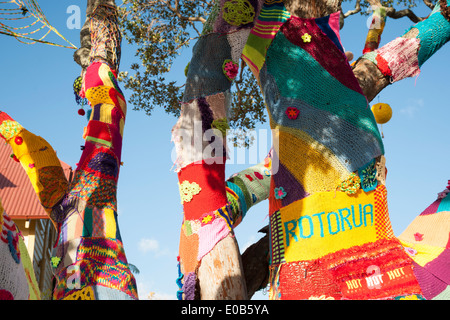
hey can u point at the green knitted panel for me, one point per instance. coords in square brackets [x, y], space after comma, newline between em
[316, 87]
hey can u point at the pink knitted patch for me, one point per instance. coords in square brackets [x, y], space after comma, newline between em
[401, 57]
[209, 235]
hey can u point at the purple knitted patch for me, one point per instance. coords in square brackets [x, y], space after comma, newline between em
[206, 112]
[189, 286]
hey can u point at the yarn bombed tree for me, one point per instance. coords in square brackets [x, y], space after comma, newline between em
[330, 234]
[89, 260]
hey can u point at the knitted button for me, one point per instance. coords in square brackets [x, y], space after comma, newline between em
[18, 140]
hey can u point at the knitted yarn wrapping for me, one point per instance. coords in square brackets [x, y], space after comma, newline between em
[426, 241]
[205, 75]
[213, 208]
[90, 260]
[105, 36]
[326, 135]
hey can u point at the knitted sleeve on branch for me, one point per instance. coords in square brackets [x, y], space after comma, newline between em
[39, 161]
[403, 57]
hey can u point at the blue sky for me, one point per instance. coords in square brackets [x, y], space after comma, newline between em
[36, 89]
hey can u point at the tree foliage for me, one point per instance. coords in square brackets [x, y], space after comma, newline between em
[160, 30]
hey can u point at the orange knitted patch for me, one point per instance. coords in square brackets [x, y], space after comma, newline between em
[188, 252]
[383, 227]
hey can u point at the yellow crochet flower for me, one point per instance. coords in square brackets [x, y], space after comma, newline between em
[306, 37]
[188, 190]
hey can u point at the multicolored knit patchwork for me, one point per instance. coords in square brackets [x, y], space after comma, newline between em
[211, 205]
[326, 136]
[100, 262]
[89, 257]
[427, 241]
[17, 278]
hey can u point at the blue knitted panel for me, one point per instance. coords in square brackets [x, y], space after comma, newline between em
[434, 32]
[205, 75]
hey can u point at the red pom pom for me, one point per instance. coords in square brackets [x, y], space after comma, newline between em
[81, 112]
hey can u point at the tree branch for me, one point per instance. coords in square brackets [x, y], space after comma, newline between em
[176, 11]
[394, 14]
[354, 11]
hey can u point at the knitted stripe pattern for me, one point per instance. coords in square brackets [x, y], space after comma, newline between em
[404, 56]
[212, 206]
[427, 241]
[330, 233]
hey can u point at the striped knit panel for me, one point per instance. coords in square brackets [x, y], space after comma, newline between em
[272, 16]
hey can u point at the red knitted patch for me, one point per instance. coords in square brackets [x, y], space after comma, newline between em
[211, 179]
[383, 66]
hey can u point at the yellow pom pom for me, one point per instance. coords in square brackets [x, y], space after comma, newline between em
[382, 112]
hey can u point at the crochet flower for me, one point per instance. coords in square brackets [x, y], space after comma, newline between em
[207, 218]
[351, 185]
[55, 261]
[418, 236]
[368, 176]
[230, 69]
[280, 193]
[306, 37]
[292, 113]
[188, 190]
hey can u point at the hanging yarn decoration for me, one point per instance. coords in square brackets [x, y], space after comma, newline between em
[77, 85]
[25, 21]
[382, 113]
[238, 12]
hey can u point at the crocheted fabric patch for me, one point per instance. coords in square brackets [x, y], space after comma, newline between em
[427, 241]
[205, 75]
[99, 262]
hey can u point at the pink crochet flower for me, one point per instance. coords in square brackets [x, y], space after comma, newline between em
[230, 69]
[418, 236]
[280, 193]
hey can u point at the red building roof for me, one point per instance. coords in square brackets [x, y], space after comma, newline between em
[16, 192]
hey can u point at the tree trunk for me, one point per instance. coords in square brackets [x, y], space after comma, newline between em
[373, 73]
